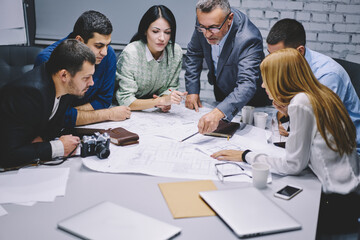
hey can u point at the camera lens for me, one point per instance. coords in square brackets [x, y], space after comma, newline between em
[102, 151]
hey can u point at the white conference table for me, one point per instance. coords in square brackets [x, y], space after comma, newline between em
[141, 193]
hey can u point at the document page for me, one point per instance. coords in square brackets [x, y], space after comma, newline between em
[161, 153]
[33, 185]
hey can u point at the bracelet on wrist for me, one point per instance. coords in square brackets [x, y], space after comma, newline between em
[244, 154]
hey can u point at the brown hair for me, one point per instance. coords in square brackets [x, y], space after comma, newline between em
[287, 73]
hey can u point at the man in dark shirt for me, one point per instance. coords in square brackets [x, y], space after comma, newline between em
[94, 29]
[32, 108]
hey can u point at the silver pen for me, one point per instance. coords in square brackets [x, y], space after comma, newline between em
[189, 137]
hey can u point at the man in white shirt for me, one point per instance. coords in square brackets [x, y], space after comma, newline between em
[289, 33]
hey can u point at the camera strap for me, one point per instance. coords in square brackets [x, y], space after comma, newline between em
[54, 162]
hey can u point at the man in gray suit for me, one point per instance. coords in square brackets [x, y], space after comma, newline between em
[233, 50]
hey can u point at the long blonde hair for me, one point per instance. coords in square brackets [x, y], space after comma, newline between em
[287, 73]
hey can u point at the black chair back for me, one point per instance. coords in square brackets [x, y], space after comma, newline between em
[353, 69]
[15, 61]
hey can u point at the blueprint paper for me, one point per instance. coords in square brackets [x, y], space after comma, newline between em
[160, 152]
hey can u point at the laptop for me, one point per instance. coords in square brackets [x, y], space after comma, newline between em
[110, 221]
[248, 212]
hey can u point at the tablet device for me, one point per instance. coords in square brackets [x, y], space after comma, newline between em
[110, 221]
[248, 212]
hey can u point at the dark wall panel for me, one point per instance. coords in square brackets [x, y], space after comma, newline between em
[55, 19]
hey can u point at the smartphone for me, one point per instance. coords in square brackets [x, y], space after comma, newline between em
[288, 192]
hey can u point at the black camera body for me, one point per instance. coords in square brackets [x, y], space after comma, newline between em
[97, 144]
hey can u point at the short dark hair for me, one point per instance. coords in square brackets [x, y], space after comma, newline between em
[155, 12]
[288, 30]
[90, 22]
[69, 55]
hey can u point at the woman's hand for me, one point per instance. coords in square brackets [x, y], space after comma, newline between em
[175, 97]
[165, 108]
[282, 130]
[281, 108]
[231, 155]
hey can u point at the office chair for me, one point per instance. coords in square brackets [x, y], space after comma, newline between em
[15, 61]
[353, 69]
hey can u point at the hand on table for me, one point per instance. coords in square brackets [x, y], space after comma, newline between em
[210, 121]
[176, 96]
[231, 155]
[164, 108]
[70, 142]
[193, 102]
[119, 113]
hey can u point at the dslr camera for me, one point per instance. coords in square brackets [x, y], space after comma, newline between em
[97, 144]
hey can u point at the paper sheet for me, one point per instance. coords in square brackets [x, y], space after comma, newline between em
[160, 157]
[183, 198]
[154, 122]
[27, 204]
[2, 211]
[160, 153]
[33, 185]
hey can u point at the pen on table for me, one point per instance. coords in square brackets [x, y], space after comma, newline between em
[189, 137]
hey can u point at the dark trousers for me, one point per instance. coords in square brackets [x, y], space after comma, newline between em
[339, 214]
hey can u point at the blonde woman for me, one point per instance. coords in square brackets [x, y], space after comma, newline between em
[322, 134]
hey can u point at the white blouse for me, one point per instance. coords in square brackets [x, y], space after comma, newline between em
[306, 147]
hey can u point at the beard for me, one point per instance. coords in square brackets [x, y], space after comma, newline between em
[73, 90]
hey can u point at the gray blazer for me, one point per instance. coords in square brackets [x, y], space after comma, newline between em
[238, 75]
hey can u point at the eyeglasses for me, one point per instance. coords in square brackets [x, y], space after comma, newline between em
[212, 29]
[232, 169]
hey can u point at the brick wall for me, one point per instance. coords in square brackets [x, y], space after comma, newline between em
[332, 27]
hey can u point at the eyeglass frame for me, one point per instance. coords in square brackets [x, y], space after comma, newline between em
[211, 29]
[221, 176]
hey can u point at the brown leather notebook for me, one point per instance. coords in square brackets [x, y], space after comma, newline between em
[122, 137]
[118, 136]
[225, 129]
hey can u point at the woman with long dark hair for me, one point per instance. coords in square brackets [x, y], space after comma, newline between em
[148, 69]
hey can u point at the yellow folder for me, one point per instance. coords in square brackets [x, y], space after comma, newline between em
[183, 198]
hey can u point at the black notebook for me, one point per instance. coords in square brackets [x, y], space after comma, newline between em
[225, 129]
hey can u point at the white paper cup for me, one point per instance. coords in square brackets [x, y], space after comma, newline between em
[260, 172]
[247, 114]
[260, 119]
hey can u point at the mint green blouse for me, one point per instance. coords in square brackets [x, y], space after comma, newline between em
[138, 78]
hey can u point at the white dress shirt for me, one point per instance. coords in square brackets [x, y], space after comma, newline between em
[57, 148]
[217, 48]
[150, 57]
[306, 147]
